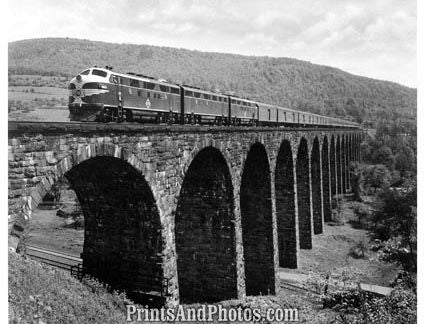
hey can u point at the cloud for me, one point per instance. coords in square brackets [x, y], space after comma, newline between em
[372, 38]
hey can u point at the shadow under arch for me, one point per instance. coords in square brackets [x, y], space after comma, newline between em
[316, 192]
[257, 223]
[326, 181]
[122, 239]
[205, 232]
[303, 193]
[338, 165]
[285, 207]
[333, 168]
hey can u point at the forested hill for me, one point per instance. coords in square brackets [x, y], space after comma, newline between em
[284, 81]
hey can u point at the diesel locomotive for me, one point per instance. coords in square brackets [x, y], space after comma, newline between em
[100, 94]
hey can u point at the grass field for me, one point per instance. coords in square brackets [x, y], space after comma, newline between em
[37, 98]
[331, 253]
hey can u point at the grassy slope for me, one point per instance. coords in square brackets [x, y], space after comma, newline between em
[41, 292]
[38, 291]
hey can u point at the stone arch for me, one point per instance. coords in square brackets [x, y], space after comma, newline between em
[303, 194]
[257, 224]
[333, 168]
[326, 181]
[339, 165]
[285, 207]
[205, 232]
[316, 188]
[123, 240]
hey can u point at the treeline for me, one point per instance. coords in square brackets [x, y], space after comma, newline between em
[284, 81]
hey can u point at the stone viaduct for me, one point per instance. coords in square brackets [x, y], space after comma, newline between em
[202, 213]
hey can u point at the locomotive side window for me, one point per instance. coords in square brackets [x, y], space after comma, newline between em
[71, 86]
[197, 95]
[134, 83]
[188, 93]
[101, 73]
[214, 98]
[206, 96]
[163, 88]
[150, 85]
[86, 72]
[175, 90]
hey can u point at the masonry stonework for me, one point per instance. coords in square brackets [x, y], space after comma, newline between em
[176, 203]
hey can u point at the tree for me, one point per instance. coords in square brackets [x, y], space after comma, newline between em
[383, 155]
[396, 218]
[377, 176]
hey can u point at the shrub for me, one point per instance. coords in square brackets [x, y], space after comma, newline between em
[360, 249]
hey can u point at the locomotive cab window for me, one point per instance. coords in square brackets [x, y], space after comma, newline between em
[101, 73]
[86, 72]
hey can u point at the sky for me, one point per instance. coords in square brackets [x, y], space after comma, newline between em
[373, 38]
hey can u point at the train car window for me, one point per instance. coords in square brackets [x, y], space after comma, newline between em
[164, 88]
[197, 95]
[150, 85]
[101, 73]
[71, 86]
[238, 102]
[139, 93]
[86, 72]
[268, 110]
[233, 101]
[134, 83]
[188, 93]
[214, 98]
[148, 94]
[125, 81]
[303, 118]
[293, 116]
[225, 99]
[175, 90]
[206, 96]
[284, 115]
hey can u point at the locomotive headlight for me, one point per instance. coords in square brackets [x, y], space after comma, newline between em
[79, 78]
[102, 86]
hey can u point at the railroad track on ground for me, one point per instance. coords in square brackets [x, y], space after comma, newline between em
[56, 259]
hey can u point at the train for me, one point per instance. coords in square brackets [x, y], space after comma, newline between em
[103, 95]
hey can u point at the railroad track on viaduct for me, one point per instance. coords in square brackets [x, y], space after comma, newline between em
[213, 211]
